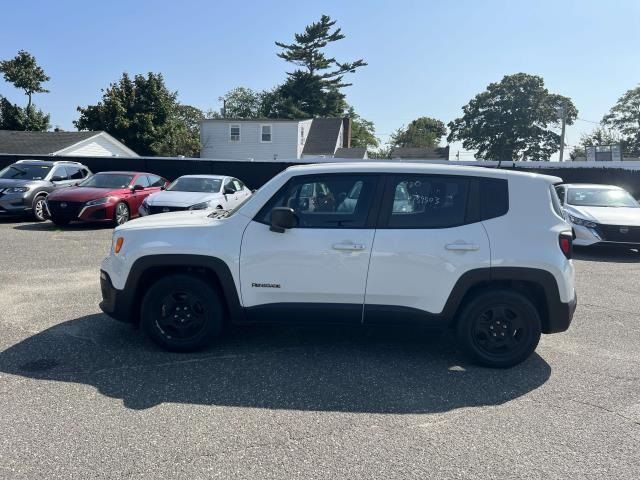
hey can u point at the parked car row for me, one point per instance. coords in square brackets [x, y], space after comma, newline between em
[599, 214]
[42, 189]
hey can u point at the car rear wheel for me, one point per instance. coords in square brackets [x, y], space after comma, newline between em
[121, 214]
[499, 329]
[39, 211]
[182, 313]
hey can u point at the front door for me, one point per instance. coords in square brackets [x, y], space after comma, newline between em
[425, 242]
[317, 270]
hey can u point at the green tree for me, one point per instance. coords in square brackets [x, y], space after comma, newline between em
[624, 116]
[139, 111]
[14, 117]
[363, 132]
[599, 136]
[182, 133]
[512, 120]
[23, 72]
[314, 90]
[421, 132]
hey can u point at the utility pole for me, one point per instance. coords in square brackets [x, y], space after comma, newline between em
[563, 115]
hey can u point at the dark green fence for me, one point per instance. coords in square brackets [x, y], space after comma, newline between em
[255, 174]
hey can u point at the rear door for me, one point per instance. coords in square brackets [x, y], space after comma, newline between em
[428, 237]
[318, 269]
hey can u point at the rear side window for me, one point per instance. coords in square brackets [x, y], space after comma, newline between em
[494, 198]
[75, 173]
[155, 181]
[428, 201]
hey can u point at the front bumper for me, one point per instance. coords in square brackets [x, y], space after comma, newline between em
[14, 204]
[607, 235]
[115, 303]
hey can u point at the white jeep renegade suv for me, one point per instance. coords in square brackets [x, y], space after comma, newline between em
[483, 251]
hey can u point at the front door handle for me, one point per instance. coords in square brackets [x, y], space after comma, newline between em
[462, 247]
[348, 246]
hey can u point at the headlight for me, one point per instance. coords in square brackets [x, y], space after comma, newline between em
[17, 190]
[98, 201]
[199, 206]
[581, 221]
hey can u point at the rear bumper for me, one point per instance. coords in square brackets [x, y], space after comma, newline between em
[115, 303]
[560, 316]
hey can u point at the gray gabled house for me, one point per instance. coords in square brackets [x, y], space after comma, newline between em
[268, 139]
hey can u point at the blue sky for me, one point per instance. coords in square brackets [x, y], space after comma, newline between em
[425, 57]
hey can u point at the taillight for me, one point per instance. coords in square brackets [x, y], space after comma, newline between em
[566, 244]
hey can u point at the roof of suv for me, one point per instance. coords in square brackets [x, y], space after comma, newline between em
[415, 167]
[47, 162]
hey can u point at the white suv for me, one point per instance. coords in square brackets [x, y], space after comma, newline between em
[484, 251]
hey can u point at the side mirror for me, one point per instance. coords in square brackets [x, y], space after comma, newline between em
[56, 178]
[229, 190]
[282, 218]
[137, 188]
[163, 187]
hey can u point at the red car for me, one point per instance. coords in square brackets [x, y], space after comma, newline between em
[105, 197]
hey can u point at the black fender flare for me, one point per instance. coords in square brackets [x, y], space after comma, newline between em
[131, 294]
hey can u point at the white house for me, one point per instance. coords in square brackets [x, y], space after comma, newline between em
[277, 139]
[87, 144]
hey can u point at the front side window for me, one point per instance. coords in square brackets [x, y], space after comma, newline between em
[108, 180]
[428, 201]
[142, 181]
[600, 197]
[327, 201]
[25, 171]
[234, 133]
[60, 174]
[265, 133]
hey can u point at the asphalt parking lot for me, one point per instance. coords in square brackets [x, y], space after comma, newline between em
[83, 396]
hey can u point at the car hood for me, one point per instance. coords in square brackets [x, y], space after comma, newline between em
[84, 194]
[607, 215]
[189, 218]
[10, 183]
[179, 199]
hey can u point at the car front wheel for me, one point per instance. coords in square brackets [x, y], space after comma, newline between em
[121, 214]
[40, 208]
[182, 313]
[499, 329]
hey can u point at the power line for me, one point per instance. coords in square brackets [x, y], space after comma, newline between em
[588, 121]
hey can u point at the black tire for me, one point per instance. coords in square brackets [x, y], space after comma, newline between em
[39, 208]
[499, 328]
[60, 222]
[182, 313]
[121, 214]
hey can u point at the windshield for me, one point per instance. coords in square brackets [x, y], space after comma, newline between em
[108, 180]
[25, 171]
[190, 184]
[600, 197]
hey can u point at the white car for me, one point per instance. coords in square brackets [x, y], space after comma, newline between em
[485, 252]
[601, 214]
[197, 192]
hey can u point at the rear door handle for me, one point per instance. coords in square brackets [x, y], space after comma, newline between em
[462, 247]
[348, 246]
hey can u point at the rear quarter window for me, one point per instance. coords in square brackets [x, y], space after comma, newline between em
[494, 198]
